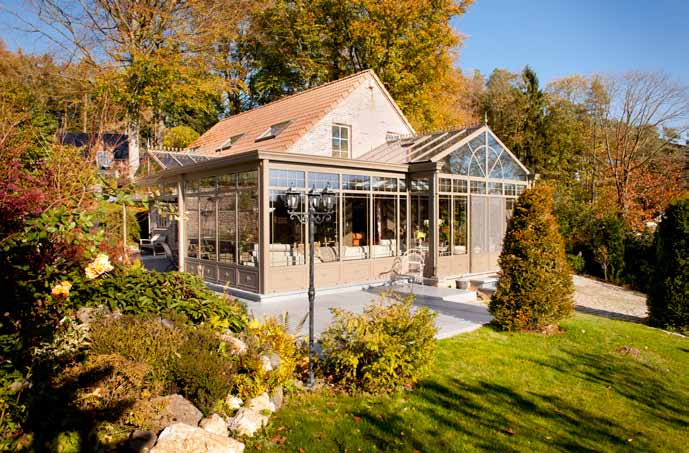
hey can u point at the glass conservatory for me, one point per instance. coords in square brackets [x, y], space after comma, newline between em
[447, 194]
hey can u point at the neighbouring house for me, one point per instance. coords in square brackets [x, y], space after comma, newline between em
[110, 151]
[447, 193]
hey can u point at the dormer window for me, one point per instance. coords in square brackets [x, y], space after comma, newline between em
[228, 144]
[392, 136]
[273, 131]
[341, 134]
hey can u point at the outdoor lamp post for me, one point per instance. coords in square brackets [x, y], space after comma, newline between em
[320, 206]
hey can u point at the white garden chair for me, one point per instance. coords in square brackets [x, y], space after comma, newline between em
[152, 243]
[408, 268]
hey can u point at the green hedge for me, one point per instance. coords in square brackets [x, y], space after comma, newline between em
[138, 291]
[668, 299]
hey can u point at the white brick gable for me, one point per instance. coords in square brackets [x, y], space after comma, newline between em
[371, 115]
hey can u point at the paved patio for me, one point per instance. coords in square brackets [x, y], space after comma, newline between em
[453, 317]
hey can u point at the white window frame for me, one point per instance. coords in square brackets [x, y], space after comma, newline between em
[339, 152]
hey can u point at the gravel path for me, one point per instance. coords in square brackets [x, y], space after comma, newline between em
[592, 296]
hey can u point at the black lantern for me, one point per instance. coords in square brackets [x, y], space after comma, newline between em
[292, 197]
[328, 200]
[320, 207]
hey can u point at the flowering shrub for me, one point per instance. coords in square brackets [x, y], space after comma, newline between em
[98, 266]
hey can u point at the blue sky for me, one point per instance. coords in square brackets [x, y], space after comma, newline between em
[559, 37]
[556, 37]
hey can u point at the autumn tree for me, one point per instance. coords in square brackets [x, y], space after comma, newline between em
[646, 112]
[153, 55]
[410, 44]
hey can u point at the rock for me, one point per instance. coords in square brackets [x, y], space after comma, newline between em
[167, 324]
[215, 424]
[247, 422]
[261, 403]
[233, 402]
[265, 363]
[19, 385]
[277, 397]
[87, 315]
[275, 360]
[183, 438]
[174, 408]
[141, 441]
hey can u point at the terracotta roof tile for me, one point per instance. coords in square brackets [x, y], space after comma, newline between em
[302, 110]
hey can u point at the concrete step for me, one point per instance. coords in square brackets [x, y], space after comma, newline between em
[434, 293]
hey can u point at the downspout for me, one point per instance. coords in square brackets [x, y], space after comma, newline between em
[180, 223]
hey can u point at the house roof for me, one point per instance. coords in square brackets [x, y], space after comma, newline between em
[302, 110]
[118, 143]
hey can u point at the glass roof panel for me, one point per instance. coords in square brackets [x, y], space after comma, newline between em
[510, 169]
[478, 162]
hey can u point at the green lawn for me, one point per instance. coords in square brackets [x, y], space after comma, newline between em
[500, 391]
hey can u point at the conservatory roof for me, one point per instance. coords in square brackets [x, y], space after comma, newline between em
[175, 159]
[471, 151]
[418, 148]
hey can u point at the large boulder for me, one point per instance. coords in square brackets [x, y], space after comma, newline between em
[247, 422]
[215, 424]
[174, 408]
[255, 415]
[261, 403]
[183, 438]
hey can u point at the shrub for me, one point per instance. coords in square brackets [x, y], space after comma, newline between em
[190, 357]
[264, 339]
[390, 345]
[204, 371]
[138, 291]
[142, 339]
[668, 300]
[535, 286]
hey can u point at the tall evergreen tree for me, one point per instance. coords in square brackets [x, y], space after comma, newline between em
[535, 288]
[668, 301]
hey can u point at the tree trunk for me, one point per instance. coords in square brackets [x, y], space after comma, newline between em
[133, 130]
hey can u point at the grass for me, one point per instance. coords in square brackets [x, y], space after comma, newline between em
[580, 390]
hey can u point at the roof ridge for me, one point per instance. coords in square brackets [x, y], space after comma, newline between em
[293, 95]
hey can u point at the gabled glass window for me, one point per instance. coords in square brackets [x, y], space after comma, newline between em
[477, 159]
